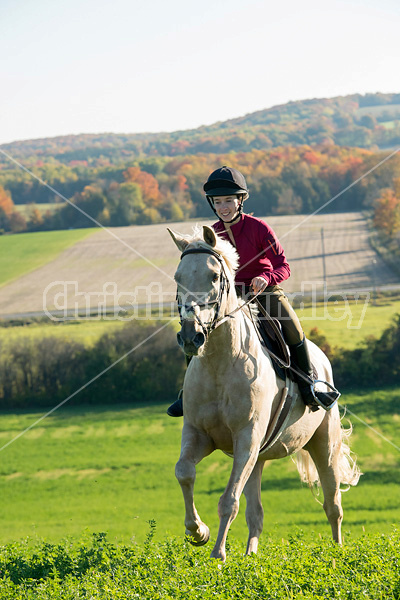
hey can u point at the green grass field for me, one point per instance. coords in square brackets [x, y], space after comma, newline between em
[25, 209]
[85, 332]
[112, 469]
[22, 253]
[344, 325]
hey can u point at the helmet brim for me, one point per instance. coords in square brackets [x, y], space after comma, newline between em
[225, 191]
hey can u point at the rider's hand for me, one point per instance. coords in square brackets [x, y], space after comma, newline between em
[258, 284]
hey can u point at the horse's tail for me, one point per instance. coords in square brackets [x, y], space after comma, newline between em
[349, 473]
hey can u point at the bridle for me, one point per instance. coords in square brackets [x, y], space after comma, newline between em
[208, 326]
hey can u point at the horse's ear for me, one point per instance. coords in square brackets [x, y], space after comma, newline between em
[209, 236]
[180, 241]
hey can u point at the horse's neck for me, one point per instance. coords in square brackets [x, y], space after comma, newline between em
[226, 341]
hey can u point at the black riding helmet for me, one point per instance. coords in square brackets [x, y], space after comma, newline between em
[226, 182]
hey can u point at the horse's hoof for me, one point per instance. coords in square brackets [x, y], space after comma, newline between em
[202, 541]
[218, 555]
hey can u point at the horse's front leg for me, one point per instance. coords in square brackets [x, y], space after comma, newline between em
[254, 509]
[194, 447]
[246, 447]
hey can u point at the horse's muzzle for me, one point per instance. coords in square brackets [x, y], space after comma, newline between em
[190, 340]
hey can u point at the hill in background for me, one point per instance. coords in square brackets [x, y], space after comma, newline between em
[358, 120]
[296, 158]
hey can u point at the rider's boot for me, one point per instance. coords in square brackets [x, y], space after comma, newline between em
[176, 408]
[304, 376]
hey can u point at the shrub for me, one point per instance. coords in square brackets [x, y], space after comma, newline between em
[148, 366]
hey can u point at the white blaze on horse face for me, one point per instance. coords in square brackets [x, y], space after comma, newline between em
[189, 310]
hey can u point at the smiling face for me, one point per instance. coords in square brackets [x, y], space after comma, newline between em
[226, 207]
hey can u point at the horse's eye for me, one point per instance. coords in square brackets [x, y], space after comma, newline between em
[215, 277]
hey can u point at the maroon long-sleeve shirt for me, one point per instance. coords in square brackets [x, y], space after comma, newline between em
[260, 252]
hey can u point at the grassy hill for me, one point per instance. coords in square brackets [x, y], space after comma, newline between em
[23, 253]
[310, 121]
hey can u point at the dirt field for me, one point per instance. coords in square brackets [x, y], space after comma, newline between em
[138, 266]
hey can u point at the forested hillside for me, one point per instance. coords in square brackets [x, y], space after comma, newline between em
[296, 157]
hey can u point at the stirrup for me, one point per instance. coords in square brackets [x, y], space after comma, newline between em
[325, 399]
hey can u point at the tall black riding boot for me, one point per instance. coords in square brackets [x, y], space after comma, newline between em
[176, 408]
[304, 376]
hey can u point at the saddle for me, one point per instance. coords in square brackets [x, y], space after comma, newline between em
[270, 334]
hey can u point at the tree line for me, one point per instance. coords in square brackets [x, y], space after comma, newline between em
[285, 180]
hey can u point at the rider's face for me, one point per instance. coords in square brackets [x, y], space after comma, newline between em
[226, 207]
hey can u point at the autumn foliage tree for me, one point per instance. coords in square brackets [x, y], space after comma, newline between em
[387, 210]
[6, 203]
[147, 183]
[91, 202]
[10, 219]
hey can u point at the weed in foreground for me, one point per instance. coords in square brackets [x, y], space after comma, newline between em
[93, 567]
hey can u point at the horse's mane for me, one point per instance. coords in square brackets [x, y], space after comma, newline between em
[223, 247]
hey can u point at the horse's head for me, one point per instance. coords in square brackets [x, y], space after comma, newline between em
[204, 278]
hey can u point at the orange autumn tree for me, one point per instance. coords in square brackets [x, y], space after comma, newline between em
[10, 219]
[6, 203]
[387, 210]
[148, 184]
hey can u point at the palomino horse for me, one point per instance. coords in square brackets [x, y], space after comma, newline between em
[231, 393]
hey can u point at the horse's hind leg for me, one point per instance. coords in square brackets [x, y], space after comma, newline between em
[254, 509]
[325, 450]
[195, 446]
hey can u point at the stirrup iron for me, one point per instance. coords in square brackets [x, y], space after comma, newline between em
[333, 396]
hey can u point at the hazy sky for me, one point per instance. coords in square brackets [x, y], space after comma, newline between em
[88, 66]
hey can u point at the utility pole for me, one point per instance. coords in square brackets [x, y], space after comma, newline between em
[323, 257]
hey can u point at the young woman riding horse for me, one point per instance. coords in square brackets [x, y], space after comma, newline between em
[262, 267]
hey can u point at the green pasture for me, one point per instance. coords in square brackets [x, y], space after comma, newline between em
[112, 469]
[344, 324]
[378, 109]
[390, 124]
[86, 332]
[24, 252]
[26, 209]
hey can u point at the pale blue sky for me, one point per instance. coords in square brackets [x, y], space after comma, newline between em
[89, 66]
